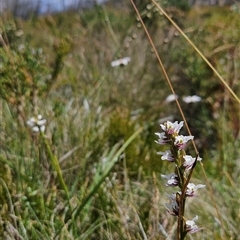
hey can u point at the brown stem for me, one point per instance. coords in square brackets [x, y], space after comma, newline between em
[182, 199]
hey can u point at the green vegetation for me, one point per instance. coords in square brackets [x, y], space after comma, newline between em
[101, 122]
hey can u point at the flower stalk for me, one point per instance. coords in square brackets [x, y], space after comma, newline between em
[37, 124]
[55, 165]
[184, 166]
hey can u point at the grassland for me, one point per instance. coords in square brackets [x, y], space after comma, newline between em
[101, 123]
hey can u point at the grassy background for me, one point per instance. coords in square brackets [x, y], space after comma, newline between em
[60, 66]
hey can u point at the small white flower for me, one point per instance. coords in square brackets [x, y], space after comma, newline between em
[191, 226]
[192, 189]
[181, 141]
[192, 99]
[36, 128]
[121, 62]
[167, 155]
[162, 138]
[189, 161]
[172, 128]
[172, 179]
[37, 123]
[40, 120]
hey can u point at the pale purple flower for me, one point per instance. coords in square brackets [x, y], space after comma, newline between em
[189, 161]
[37, 123]
[167, 155]
[172, 179]
[192, 189]
[181, 141]
[172, 207]
[171, 128]
[162, 138]
[191, 226]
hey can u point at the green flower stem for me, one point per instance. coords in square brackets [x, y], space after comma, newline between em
[55, 165]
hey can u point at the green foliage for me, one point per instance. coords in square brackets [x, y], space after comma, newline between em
[6, 188]
[25, 72]
[22, 72]
[181, 4]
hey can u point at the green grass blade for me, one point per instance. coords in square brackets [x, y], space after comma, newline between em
[99, 177]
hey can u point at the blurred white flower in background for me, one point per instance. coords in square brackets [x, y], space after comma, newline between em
[121, 62]
[171, 98]
[37, 123]
[192, 99]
